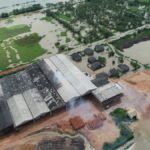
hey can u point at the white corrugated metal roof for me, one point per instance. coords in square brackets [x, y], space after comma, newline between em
[35, 103]
[65, 89]
[72, 74]
[107, 91]
[1, 91]
[19, 110]
[72, 82]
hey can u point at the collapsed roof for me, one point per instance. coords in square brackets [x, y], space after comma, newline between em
[5, 116]
[69, 81]
[107, 92]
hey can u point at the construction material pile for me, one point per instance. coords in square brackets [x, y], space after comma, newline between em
[65, 143]
[96, 122]
[77, 122]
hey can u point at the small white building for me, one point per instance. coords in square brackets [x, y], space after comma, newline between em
[68, 80]
[108, 93]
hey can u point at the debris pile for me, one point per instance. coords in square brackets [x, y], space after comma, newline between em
[77, 123]
[65, 143]
[96, 122]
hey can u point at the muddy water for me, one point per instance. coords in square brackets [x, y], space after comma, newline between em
[49, 30]
[43, 28]
[142, 135]
[9, 5]
[140, 52]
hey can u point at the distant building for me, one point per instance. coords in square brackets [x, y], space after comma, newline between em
[67, 79]
[123, 68]
[101, 79]
[89, 52]
[132, 113]
[108, 93]
[6, 122]
[76, 57]
[95, 66]
[45, 87]
[99, 48]
[92, 59]
[114, 72]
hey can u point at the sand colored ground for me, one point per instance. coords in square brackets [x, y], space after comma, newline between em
[142, 51]
[135, 89]
[139, 80]
[108, 132]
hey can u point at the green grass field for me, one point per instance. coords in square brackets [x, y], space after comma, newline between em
[119, 44]
[24, 50]
[6, 33]
[29, 47]
[64, 17]
[48, 19]
[144, 1]
[3, 59]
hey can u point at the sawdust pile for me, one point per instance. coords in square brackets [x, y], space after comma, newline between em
[140, 80]
[142, 135]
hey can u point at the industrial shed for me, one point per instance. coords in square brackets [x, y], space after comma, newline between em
[88, 52]
[108, 93]
[101, 79]
[35, 103]
[45, 88]
[99, 48]
[76, 57]
[6, 122]
[123, 68]
[95, 66]
[19, 110]
[69, 81]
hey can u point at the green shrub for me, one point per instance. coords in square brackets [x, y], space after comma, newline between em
[102, 60]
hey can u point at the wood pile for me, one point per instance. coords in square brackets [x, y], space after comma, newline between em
[96, 122]
[64, 143]
[77, 123]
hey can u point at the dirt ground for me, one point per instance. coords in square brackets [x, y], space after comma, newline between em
[136, 94]
[86, 110]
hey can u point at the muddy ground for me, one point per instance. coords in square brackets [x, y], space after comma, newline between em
[136, 88]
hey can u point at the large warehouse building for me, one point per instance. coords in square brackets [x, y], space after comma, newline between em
[42, 88]
[69, 81]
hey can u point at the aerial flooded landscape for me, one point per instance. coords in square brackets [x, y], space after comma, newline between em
[75, 75]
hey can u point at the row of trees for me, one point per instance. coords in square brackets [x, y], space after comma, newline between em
[63, 22]
[32, 8]
[117, 15]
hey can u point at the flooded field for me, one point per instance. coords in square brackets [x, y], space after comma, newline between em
[9, 5]
[49, 30]
[140, 52]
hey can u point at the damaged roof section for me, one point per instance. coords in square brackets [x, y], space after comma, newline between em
[69, 81]
[107, 92]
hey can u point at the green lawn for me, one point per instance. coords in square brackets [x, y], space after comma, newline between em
[63, 33]
[119, 44]
[65, 17]
[48, 19]
[6, 33]
[3, 59]
[144, 1]
[29, 47]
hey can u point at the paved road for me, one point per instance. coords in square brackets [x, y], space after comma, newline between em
[117, 36]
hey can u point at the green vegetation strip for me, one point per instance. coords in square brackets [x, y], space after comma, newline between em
[65, 17]
[25, 49]
[129, 40]
[6, 33]
[28, 47]
[48, 19]
[3, 59]
[120, 116]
